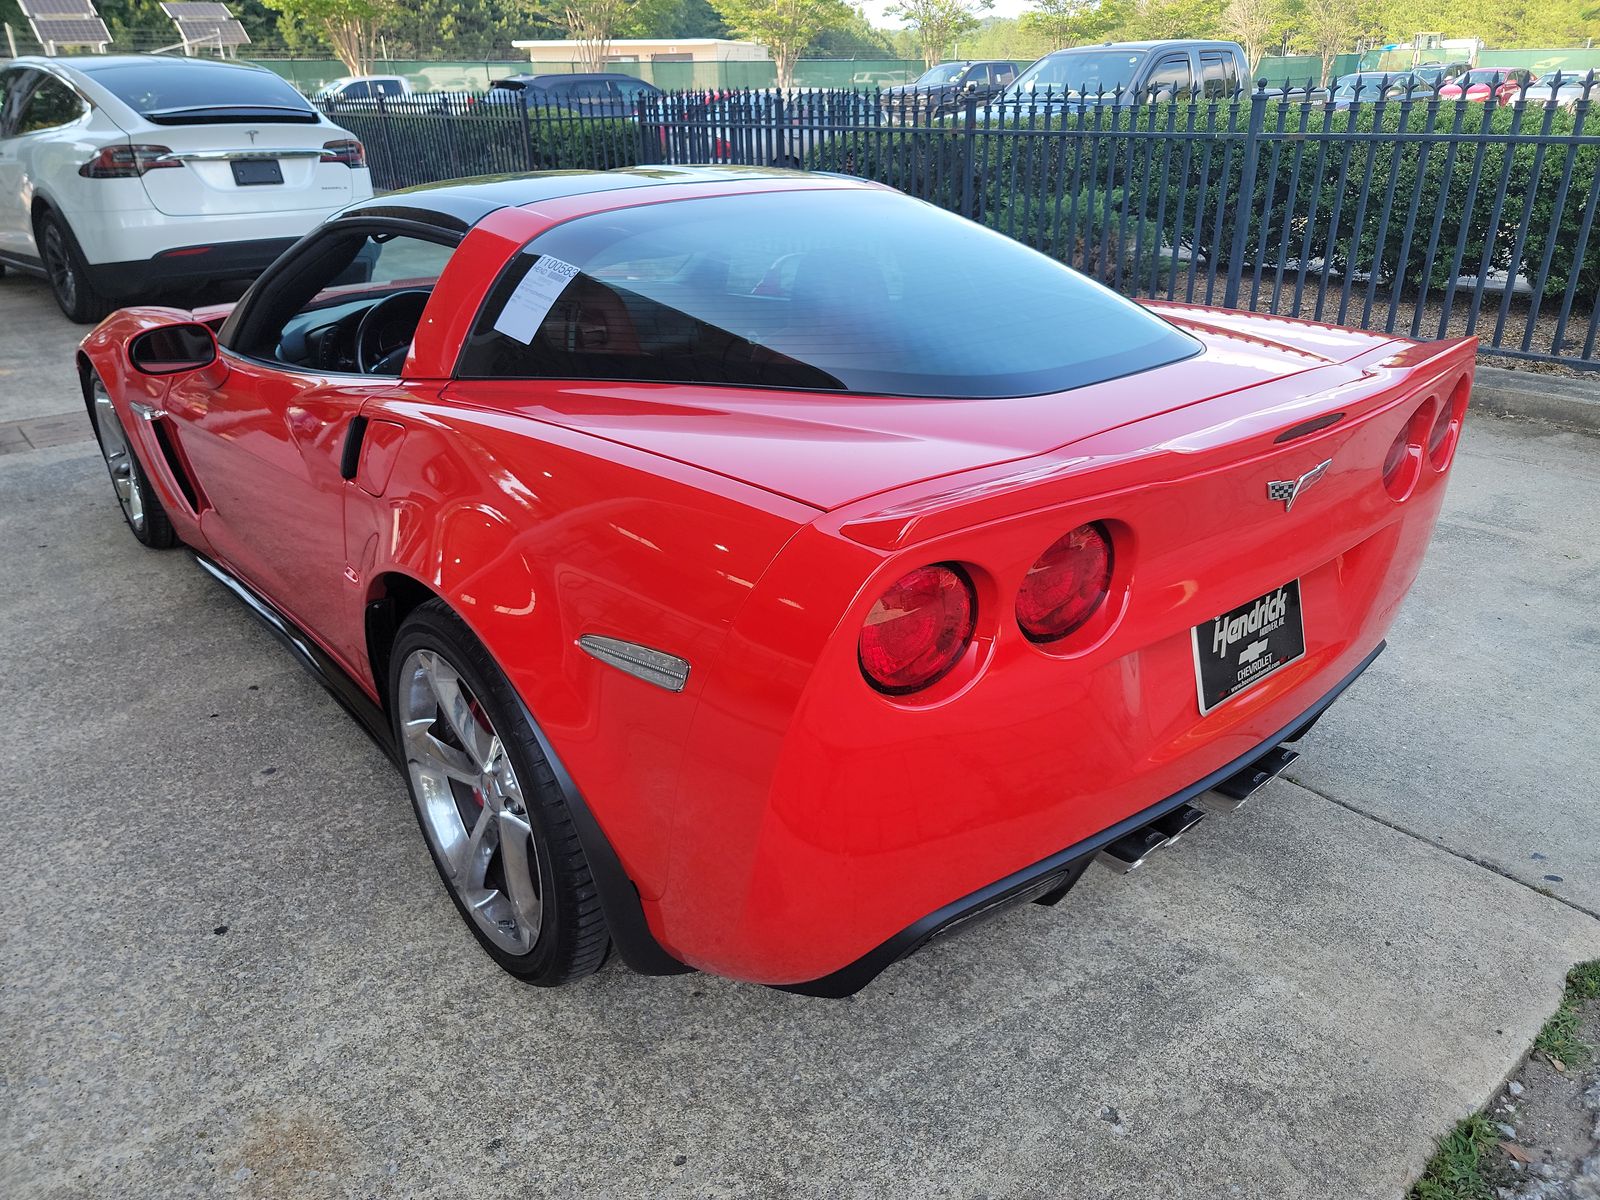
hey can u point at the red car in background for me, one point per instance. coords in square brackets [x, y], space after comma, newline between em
[728, 596]
[1504, 84]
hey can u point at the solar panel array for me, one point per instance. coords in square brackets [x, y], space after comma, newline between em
[202, 22]
[65, 22]
[57, 8]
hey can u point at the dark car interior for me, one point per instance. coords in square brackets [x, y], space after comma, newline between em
[329, 306]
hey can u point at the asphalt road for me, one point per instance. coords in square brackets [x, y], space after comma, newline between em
[227, 967]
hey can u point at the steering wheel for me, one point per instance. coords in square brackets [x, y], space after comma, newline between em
[384, 336]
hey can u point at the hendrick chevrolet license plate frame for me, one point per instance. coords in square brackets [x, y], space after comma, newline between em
[1238, 649]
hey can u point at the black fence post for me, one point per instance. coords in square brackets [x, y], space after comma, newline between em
[1245, 202]
[642, 155]
[969, 143]
[526, 125]
[395, 175]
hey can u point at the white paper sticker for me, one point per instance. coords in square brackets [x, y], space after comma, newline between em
[526, 307]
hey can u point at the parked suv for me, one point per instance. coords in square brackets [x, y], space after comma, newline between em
[594, 94]
[123, 173]
[944, 88]
[1124, 73]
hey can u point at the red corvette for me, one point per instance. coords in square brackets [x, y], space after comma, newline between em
[732, 593]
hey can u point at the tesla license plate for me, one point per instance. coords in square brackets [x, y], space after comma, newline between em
[248, 172]
[1244, 645]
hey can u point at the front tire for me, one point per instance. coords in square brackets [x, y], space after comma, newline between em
[68, 272]
[141, 507]
[494, 818]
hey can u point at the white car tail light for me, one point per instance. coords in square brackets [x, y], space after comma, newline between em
[345, 150]
[127, 162]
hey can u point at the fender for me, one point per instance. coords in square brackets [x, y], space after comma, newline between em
[535, 536]
[140, 400]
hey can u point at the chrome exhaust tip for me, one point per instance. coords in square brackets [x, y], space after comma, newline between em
[1230, 795]
[1130, 850]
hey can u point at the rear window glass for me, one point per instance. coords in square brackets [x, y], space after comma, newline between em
[163, 89]
[859, 291]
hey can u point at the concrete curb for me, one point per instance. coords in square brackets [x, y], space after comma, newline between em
[1574, 403]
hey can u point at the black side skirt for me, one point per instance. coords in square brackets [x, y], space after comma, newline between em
[1049, 875]
[619, 899]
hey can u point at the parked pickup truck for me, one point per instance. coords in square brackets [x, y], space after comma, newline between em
[355, 92]
[942, 89]
[1124, 73]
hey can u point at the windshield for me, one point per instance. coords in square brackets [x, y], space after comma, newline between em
[1472, 78]
[943, 73]
[849, 290]
[1078, 72]
[189, 86]
[1568, 79]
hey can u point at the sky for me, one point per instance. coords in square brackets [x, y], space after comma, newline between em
[874, 10]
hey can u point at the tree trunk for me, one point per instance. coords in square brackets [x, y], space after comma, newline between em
[783, 61]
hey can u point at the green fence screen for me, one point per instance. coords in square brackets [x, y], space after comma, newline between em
[308, 74]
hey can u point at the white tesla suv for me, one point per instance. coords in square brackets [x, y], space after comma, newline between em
[122, 176]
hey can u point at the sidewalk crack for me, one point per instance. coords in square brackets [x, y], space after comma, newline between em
[1450, 850]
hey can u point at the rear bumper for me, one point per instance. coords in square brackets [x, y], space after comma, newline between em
[184, 266]
[1052, 874]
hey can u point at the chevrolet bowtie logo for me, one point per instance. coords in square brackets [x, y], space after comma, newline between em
[1289, 490]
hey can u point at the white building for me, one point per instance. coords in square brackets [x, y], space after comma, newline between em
[646, 50]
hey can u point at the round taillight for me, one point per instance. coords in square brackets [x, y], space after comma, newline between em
[1403, 464]
[918, 629]
[1066, 584]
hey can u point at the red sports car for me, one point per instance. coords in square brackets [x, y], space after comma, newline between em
[731, 594]
[1506, 85]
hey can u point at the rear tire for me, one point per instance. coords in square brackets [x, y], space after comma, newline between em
[491, 812]
[141, 507]
[68, 272]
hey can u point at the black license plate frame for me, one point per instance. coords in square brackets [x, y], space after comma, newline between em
[1236, 650]
[257, 172]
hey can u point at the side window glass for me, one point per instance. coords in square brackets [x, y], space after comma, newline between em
[13, 86]
[51, 105]
[1171, 75]
[358, 91]
[391, 87]
[1004, 73]
[1216, 76]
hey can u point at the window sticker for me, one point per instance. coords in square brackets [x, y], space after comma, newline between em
[526, 307]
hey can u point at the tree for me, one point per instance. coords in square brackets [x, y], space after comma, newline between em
[1255, 25]
[1066, 22]
[1330, 27]
[784, 27]
[938, 23]
[350, 26]
[594, 23]
[856, 38]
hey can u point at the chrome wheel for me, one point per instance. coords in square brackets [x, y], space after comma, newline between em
[58, 264]
[471, 802]
[119, 458]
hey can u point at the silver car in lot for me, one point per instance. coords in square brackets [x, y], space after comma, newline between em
[1566, 88]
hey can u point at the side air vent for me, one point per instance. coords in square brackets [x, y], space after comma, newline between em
[178, 465]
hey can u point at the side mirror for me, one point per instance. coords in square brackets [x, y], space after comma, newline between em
[173, 349]
[970, 87]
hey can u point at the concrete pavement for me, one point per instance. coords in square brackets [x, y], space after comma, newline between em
[227, 967]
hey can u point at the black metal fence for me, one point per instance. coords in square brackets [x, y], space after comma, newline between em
[1400, 211]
